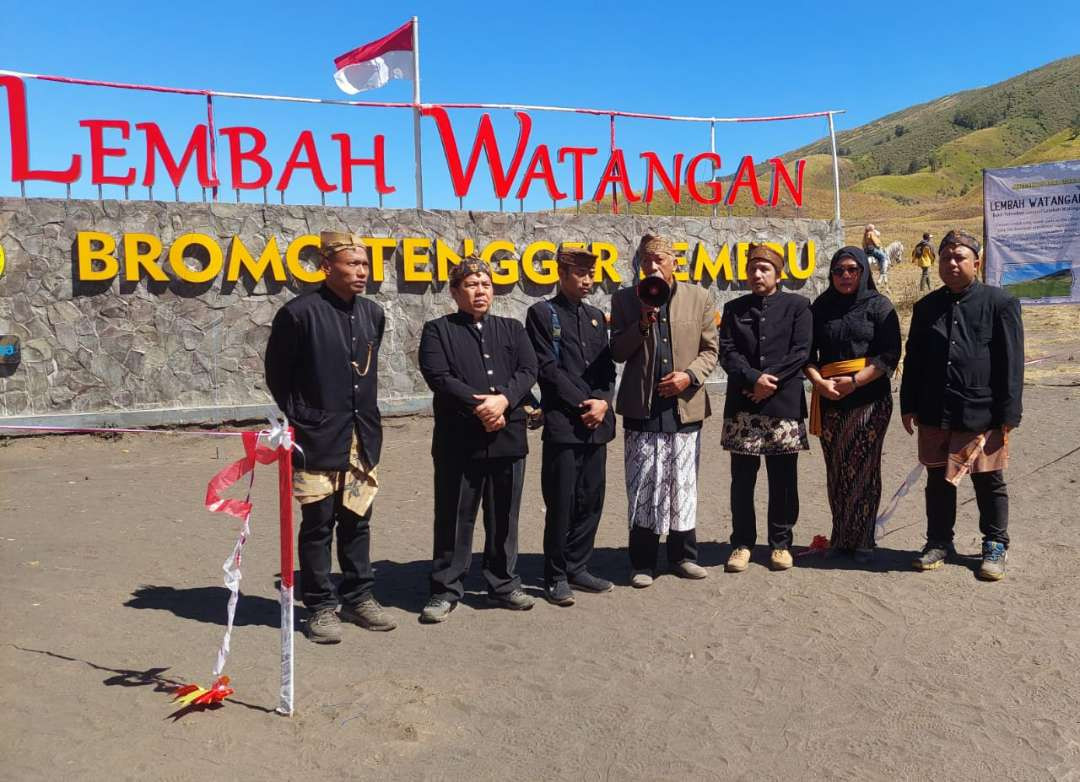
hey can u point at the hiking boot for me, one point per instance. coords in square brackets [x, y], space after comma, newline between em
[994, 555]
[587, 582]
[515, 601]
[436, 611]
[324, 627]
[559, 593]
[738, 561]
[933, 556]
[641, 579]
[369, 615]
[689, 569]
[780, 559]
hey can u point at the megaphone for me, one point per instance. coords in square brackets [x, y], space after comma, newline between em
[654, 291]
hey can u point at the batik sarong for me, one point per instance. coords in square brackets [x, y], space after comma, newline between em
[661, 479]
[851, 442]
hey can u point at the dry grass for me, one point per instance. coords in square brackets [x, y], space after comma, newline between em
[1051, 333]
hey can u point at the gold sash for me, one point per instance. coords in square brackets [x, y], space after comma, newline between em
[848, 367]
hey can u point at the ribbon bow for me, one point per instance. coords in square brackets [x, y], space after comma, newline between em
[279, 435]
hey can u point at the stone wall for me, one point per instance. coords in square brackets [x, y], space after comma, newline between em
[173, 351]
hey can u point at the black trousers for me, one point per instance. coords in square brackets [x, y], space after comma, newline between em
[991, 496]
[925, 279]
[461, 486]
[783, 498]
[645, 547]
[353, 552]
[573, 479]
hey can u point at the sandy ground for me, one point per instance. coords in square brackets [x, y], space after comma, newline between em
[112, 591]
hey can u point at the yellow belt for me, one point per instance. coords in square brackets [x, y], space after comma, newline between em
[848, 367]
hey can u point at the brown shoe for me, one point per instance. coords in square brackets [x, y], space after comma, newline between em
[369, 615]
[780, 559]
[738, 561]
[324, 627]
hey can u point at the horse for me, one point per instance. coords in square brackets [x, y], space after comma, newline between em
[895, 252]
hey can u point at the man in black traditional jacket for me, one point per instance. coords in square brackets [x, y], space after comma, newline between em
[962, 387]
[577, 380]
[765, 339]
[322, 370]
[481, 368]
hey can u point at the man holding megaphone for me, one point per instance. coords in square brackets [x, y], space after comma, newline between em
[666, 334]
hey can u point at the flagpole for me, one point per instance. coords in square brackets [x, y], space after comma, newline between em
[416, 113]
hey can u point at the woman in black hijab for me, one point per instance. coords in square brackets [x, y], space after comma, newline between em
[855, 350]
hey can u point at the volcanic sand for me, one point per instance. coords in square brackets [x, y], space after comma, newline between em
[112, 592]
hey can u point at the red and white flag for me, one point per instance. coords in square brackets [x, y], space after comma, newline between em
[372, 65]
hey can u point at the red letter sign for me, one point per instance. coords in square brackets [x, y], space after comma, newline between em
[20, 144]
[305, 143]
[780, 174]
[745, 177]
[540, 168]
[577, 153]
[653, 167]
[485, 140]
[378, 162]
[254, 155]
[157, 146]
[615, 174]
[692, 183]
[98, 151]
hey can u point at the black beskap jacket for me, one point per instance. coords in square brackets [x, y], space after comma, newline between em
[583, 370]
[313, 341]
[459, 360]
[964, 360]
[766, 334]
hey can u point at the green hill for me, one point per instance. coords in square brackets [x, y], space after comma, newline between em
[1020, 113]
[920, 169]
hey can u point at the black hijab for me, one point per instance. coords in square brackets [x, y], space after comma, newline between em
[832, 303]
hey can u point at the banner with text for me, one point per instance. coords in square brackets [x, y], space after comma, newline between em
[1032, 216]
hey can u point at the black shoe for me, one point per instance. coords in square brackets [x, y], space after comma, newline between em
[559, 593]
[436, 610]
[587, 582]
[933, 556]
[515, 601]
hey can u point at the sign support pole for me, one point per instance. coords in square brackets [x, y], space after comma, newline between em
[416, 113]
[712, 148]
[836, 176]
[285, 513]
[614, 187]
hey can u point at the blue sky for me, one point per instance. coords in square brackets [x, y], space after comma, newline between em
[1019, 272]
[701, 58]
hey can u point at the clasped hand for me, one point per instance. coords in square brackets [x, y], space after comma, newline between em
[593, 413]
[836, 388]
[491, 411]
[765, 387]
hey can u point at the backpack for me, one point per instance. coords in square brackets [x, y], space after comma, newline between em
[556, 330]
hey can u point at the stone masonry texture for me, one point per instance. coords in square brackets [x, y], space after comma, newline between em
[127, 346]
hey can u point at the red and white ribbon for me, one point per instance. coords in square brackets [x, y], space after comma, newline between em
[280, 441]
[885, 515]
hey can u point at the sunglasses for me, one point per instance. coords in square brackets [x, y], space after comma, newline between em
[846, 271]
